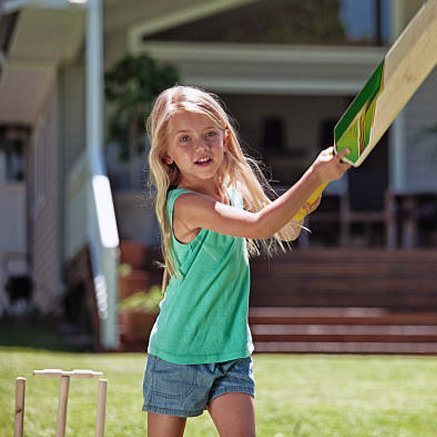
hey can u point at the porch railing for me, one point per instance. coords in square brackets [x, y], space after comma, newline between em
[90, 220]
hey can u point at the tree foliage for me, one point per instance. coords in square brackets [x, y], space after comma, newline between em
[131, 86]
[269, 21]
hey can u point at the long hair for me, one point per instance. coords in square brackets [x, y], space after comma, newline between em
[237, 169]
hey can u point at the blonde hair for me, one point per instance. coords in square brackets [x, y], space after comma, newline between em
[237, 170]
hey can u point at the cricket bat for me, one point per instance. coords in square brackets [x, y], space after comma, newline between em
[406, 65]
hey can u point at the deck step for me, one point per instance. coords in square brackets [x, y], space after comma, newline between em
[341, 347]
[343, 330]
[345, 301]
[345, 316]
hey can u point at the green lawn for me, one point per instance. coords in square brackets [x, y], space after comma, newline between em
[297, 395]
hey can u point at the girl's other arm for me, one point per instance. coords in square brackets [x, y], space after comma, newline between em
[193, 212]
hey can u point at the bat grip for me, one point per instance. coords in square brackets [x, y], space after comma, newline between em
[300, 215]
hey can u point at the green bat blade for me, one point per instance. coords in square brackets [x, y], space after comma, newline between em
[353, 129]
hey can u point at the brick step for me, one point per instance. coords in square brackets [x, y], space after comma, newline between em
[422, 348]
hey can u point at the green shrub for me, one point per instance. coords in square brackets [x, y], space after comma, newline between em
[143, 301]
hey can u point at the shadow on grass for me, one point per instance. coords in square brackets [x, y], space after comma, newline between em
[36, 334]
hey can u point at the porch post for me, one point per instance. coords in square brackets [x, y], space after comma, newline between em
[397, 144]
[102, 229]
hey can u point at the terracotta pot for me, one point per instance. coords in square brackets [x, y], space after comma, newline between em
[135, 326]
[133, 282]
[133, 253]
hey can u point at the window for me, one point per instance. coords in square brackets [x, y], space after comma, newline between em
[12, 161]
[366, 21]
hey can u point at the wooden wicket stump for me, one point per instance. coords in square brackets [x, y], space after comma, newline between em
[20, 396]
[64, 388]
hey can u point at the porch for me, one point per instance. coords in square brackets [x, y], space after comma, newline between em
[345, 301]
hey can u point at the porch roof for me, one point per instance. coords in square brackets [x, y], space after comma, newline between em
[42, 34]
[39, 41]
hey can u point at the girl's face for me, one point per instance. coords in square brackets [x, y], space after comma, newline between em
[196, 145]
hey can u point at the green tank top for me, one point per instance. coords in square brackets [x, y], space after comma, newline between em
[204, 314]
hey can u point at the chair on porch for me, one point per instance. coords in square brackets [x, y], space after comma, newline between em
[360, 203]
[376, 227]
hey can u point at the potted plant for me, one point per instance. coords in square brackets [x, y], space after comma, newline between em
[131, 280]
[137, 314]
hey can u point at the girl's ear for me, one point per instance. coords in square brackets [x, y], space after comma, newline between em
[167, 159]
[226, 139]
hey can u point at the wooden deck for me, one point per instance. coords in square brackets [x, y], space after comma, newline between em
[345, 301]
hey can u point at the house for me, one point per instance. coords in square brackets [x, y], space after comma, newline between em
[285, 85]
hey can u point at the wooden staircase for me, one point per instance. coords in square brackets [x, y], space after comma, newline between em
[345, 301]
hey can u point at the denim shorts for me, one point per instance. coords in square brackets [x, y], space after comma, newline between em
[186, 390]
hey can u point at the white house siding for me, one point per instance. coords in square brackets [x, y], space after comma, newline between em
[75, 204]
[420, 143]
[13, 232]
[44, 194]
[72, 99]
[72, 108]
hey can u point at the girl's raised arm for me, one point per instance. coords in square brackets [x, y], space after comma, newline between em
[193, 212]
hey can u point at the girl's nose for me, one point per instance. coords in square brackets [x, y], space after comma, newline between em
[202, 144]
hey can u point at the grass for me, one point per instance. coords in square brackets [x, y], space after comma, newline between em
[297, 395]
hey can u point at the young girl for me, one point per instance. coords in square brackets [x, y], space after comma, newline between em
[213, 213]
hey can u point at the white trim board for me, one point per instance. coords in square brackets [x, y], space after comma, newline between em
[278, 87]
[268, 69]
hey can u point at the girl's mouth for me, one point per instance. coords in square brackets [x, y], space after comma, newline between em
[203, 161]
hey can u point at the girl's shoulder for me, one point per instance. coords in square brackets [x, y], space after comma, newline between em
[172, 196]
[235, 195]
[174, 193]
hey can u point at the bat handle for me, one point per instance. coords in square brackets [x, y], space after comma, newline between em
[300, 215]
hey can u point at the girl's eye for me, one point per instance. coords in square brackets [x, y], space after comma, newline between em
[184, 139]
[211, 133]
